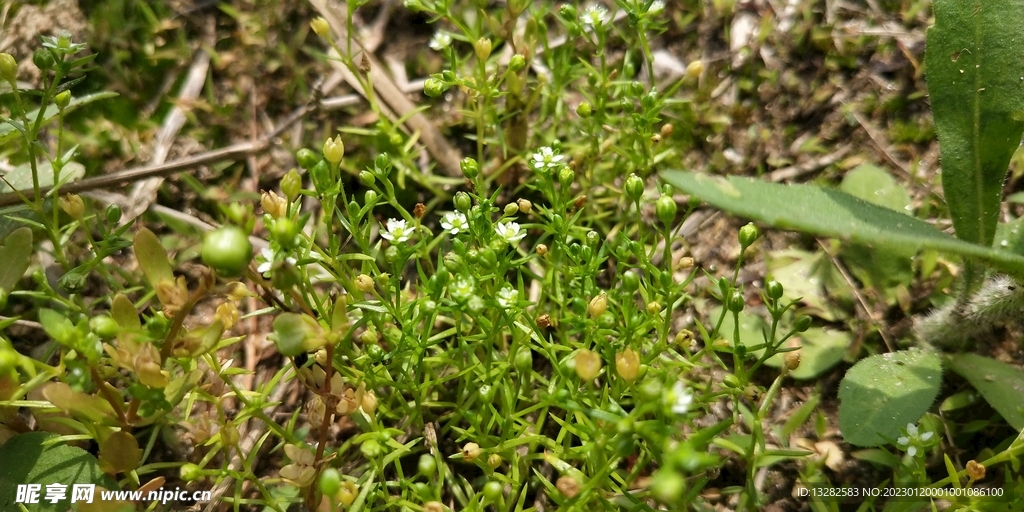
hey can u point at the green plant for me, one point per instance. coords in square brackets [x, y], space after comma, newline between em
[973, 80]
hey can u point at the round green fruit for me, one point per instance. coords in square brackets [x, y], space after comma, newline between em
[227, 250]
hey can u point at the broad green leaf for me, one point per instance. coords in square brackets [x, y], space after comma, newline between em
[16, 254]
[975, 79]
[152, 258]
[820, 350]
[29, 461]
[884, 392]
[831, 213]
[1002, 385]
[881, 268]
[8, 132]
[21, 177]
[1010, 236]
[806, 276]
[875, 185]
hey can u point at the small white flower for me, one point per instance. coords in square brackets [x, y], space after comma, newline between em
[656, 7]
[397, 231]
[595, 15]
[441, 41]
[913, 439]
[511, 232]
[508, 296]
[462, 289]
[266, 259]
[545, 158]
[454, 222]
[680, 398]
[475, 304]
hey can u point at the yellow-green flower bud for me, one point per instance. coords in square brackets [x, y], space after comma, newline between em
[62, 100]
[588, 365]
[273, 204]
[334, 150]
[364, 283]
[598, 305]
[665, 209]
[634, 187]
[470, 167]
[72, 205]
[291, 185]
[516, 63]
[482, 48]
[627, 364]
[748, 234]
[511, 209]
[320, 27]
[8, 68]
[694, 70]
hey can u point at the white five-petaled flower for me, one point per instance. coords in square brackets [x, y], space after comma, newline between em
[508, 296]
[680, 397]
[913, 439]
[454, 222]
[594, 15]
[441, 40]
[462, 288]
[266, 259]
[545, 158]
[397, 231]
[511, 232]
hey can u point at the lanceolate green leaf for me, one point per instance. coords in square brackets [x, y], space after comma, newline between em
[831, 213]
[9, 132]
[975, 73]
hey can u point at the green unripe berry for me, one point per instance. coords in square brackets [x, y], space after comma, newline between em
[104, 326]
[566, 176]
[748, 234]
[371, 449]
[427, 465]
[43, 59]
[470, 167]
[190, 472]
[584, 110]
[668, 486]
[516, 63]
[306, 158]
[773, 289]
[493, 491]
[523, 360]
[330, 482]
[630, 281]
[634, 187]
[736, 301]
[284, 231]
[113, 214]
[434, 87]
[802, 323]
[665, 209]
[367, 178]
[227, 250]
[320, 175]
[463, 202]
